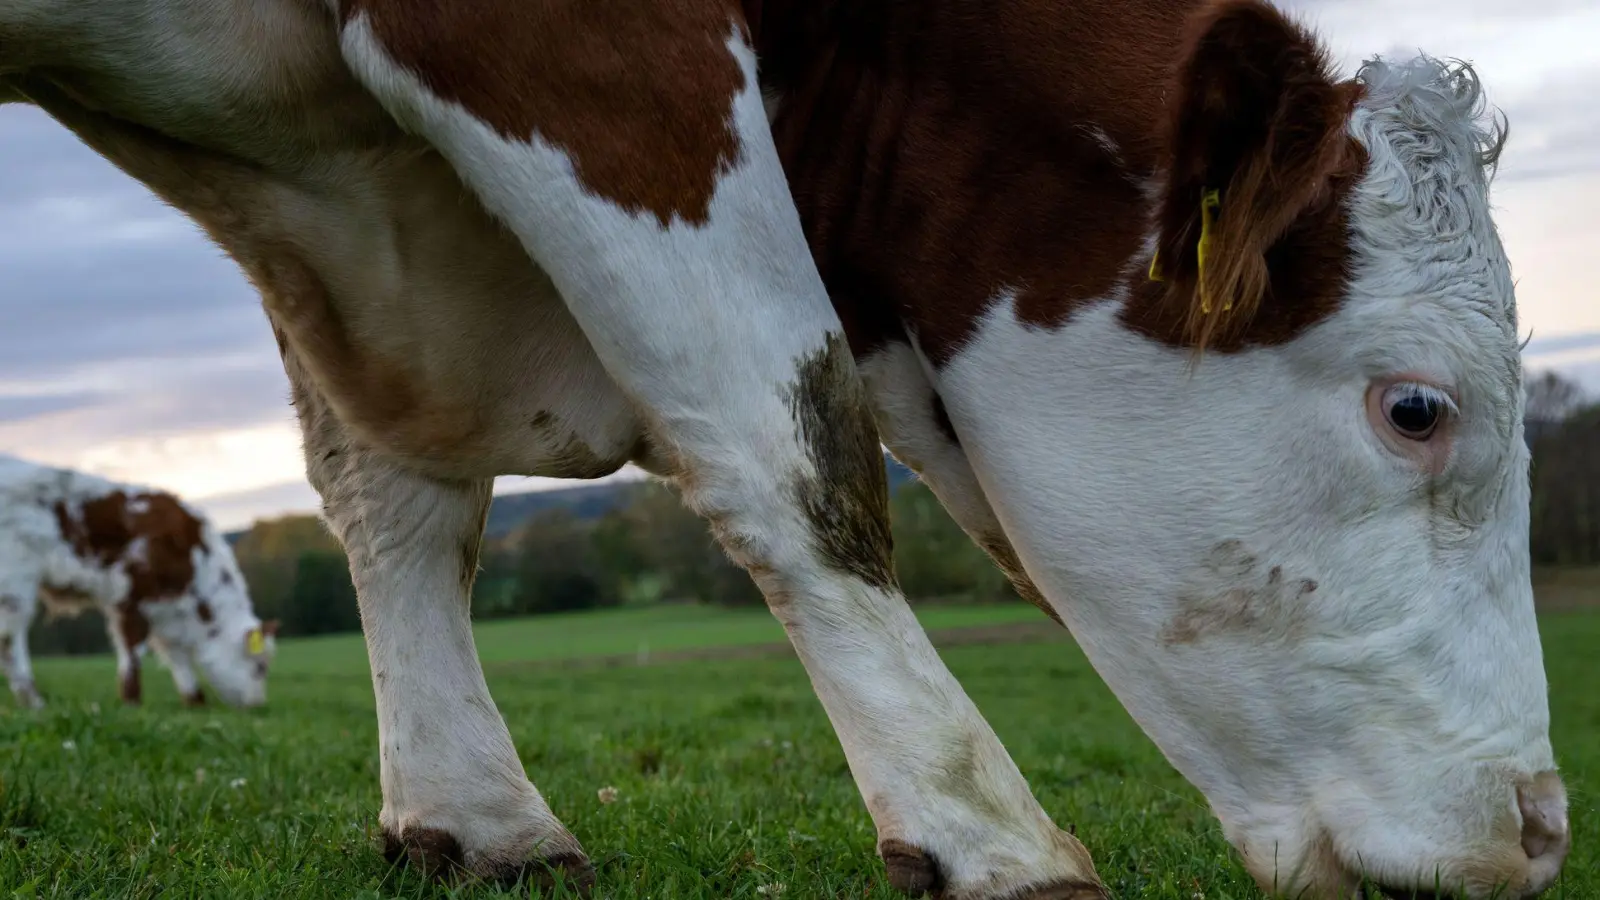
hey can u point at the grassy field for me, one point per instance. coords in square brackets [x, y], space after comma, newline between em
[728, 778]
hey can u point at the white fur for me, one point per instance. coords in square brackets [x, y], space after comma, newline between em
[34, 556]
[1392, 712]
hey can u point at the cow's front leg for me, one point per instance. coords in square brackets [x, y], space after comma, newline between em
[18, 668]
[663, 216]
[454, 792]
[180, 662]
[127, 630]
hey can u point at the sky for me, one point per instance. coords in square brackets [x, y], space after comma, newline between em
[132, 348]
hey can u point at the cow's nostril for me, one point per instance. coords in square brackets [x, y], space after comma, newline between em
[1544, 816]
[1546, 836]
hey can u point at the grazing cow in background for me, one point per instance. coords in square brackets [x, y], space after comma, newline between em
[156, 568]
[1214, 352]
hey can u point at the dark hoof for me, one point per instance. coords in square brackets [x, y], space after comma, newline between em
[573, 870]
[913, 872]
[437, 854]
[430, 851]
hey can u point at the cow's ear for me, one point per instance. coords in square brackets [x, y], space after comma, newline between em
[1256, 133]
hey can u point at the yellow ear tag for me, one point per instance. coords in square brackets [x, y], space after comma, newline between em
[255, 643]
[1155, 266]
[1210, 202]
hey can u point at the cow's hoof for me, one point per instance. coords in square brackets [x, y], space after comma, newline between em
[437, 854]
[916, 874]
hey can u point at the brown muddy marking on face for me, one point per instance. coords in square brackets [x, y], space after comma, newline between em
[638, 95]
[203, 610]
[999, 550]
[1230, 595]
[847, 502]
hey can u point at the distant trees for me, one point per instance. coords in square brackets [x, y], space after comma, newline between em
[322, 599]
[1550, 398]
[934, 558]
[1564, 439]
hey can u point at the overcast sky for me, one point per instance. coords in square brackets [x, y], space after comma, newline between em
[130, 347]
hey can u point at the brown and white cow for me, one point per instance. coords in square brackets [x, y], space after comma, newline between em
[155, 567]
[738, 243]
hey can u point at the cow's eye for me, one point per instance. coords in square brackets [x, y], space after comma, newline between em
[1414, 410]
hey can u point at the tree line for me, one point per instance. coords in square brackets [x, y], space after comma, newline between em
[649, 548]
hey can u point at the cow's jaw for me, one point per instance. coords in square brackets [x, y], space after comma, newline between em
[1338, 651]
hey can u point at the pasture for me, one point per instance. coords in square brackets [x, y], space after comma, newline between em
[721, 776]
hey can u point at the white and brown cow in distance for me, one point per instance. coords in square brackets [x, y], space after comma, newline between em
[163, 577]
[739, 242]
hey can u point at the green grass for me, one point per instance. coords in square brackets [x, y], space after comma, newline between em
[728, 775]
[654, 629]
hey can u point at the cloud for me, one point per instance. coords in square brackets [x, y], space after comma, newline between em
[31, 406]
[1538, 61]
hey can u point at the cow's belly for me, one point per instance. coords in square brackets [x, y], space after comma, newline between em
[433, 335]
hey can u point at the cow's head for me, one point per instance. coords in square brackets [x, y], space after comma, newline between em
[237, 648]
[1290, 525]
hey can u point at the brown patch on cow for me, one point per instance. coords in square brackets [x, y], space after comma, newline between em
[203, 610]
[1257, 116]
[1000, 550]
[151, 535]
[1230, 596]
[847, 501]
[937, 160]
[939, 163]
[638, 95]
